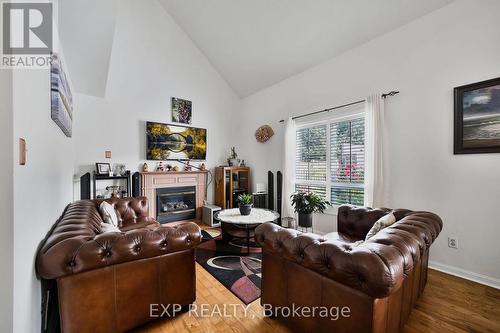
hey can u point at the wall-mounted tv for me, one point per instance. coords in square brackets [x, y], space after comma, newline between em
[173, 142]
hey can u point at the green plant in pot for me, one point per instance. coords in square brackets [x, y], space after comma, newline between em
[307, 203]
[245, 203]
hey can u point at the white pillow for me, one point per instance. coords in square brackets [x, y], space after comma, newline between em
[107, 227]
[382, 223]
[108, 214]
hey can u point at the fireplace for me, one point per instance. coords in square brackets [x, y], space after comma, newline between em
[175, 203]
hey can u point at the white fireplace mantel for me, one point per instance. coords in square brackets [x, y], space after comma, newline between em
[153, 180]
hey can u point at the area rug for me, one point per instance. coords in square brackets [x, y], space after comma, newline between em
[229, 264]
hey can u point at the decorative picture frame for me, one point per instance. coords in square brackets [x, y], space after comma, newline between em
[182, 111]
[175, 142]
[61, 97]
[477, 118]
[103, 168]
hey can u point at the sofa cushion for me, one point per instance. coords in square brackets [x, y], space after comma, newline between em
[108, 227]
[381, 223]
[128, 210]
[108, 213]
[140, 223]
[340, 237]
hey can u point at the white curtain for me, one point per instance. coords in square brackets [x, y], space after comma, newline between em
[376, 182]
[288, 168]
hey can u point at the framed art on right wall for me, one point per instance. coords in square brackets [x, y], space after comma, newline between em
[477, 118]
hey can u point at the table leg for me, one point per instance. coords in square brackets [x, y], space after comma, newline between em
[248, 240]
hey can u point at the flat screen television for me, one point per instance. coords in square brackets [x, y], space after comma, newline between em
[175, 142]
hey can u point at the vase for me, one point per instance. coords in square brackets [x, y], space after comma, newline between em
[233, 161]
[245, 209]
[305, 220]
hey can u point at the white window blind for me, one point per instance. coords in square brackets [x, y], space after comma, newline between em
[330, 160]
[347, 161]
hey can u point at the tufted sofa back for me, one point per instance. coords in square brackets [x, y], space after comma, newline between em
[76, 243]
[128, 210]
[355, 222]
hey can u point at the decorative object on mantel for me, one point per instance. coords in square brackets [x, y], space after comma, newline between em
[264, 133]
[173, 142]
[203, 167]
[233, 159]
[160, 167]
[477, 118]
[61, 98]
[120, 169]
[145, 167]
[181, 110]
[307, 203]
[103, 168]
[245, 203]
[169, 167]
[175, 168]
[188, 167]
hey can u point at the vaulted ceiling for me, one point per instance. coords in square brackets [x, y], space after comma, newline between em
[257, 43]
[253, 44]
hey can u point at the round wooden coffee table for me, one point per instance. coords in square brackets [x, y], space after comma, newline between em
[235, 225]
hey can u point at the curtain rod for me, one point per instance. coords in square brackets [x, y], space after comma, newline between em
[391, 93]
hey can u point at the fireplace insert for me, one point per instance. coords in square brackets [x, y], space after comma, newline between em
[175, 204]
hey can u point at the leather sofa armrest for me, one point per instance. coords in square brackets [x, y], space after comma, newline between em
[79, 254]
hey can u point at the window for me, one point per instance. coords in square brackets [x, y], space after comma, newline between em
[330, 160]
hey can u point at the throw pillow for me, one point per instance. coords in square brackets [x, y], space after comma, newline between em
[107, 227]
[381, 223]
[108, 214]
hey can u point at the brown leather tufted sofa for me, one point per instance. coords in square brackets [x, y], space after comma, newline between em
[378, 280]
[106, 281]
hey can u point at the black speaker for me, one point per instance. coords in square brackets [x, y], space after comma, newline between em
[136, 184]
[279, 192]
[270, 190]
[85, 186]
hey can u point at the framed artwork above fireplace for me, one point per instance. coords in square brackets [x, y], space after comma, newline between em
[174, 142]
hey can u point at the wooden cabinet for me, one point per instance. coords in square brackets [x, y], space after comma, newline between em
[229, 183]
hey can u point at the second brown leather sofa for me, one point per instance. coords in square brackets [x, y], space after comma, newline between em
[379, 280]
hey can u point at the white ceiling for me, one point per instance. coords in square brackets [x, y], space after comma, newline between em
[86, 30]
[257, 43]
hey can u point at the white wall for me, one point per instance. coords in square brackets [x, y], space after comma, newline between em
[6, 202]
[42, 188]
[152, 60]
[456, 45]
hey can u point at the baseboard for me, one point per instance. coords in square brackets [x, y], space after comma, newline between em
[468, 275]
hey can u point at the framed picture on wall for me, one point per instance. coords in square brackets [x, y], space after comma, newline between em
[181, 110]
[61, 98]
[477, 118]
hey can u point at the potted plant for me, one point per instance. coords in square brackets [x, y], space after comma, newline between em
[245, 203]
[307, 203]
[233, 159]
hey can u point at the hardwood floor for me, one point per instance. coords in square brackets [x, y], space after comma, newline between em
[449, 304]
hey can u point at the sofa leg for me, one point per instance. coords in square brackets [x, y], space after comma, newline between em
[50, 307]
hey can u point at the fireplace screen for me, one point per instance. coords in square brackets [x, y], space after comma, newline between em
[175, 204]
